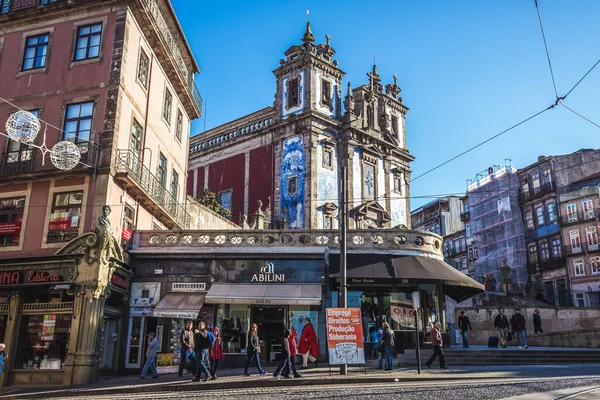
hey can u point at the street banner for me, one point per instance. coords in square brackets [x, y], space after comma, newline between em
[344, 336]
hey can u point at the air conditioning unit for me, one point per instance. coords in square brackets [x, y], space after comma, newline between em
[189, 287]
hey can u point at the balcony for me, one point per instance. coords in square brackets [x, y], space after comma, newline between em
[465, 216]
[535, 192]
[142, 183]
[547, 265]
[585, 247]
[580, 216]
[173, 40]
[9, 6]
[29, 162]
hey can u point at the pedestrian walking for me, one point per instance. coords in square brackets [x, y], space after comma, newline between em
[501, 325]
[216, 353]
[519, 326]
[203, 341]
[3, 357]
[380, 348]
[465, 326]
[285, 356]
[253, 350]
[388, 341]
[293, 352]
[150, 357]
[308, 346]
[537, 322]
[187, 349]
[437, 343]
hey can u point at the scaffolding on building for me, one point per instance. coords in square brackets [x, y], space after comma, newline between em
[497, 228]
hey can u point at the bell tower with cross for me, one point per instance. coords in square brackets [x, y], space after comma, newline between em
[309, 79]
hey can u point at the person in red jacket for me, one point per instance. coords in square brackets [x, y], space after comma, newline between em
[216, 354]
[308, 346]
[293, 352]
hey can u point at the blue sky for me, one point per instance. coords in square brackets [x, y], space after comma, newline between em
[467, 69]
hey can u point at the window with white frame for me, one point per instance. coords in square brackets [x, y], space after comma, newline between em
[468, 230]
[595, 265]
[572, 212]
[588, 209]
[470, 253]
[556, 247]
[575, 240]
[535, 181]
[578, 267]
[544, 250]
[539, 214]
[546, 175]
[475, 252]
[579, 300]
[591, 235]
[551, 211]
[532, 253]
[529, 219]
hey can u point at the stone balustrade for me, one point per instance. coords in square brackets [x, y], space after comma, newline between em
[384, 239]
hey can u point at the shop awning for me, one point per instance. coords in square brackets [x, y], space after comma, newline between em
[409, 270]
[179, 305]
[280, 295]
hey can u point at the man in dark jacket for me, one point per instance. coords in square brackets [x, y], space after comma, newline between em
[519, 325]
[203, 341]
[501, 325]
[285, 356]
[537, 322]
[187, 349]
[465, 326]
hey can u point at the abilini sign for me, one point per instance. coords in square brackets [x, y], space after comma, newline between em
[267, 274]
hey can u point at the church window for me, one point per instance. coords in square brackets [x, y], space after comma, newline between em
[370, 117]
[369, 181]
[326, 92]
[398, 184]
[327, 158]
[394, 124]
[293, 93]
[292, 185]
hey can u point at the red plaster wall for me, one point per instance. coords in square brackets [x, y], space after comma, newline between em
[260, 185]
[200, 179]
[189, 184]
[229, 174]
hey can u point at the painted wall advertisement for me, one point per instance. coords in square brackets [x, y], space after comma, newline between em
[344, 336]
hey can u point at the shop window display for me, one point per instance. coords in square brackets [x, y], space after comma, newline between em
[44, 341]
[232, 319]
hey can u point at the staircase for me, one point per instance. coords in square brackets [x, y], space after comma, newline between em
[509, 356]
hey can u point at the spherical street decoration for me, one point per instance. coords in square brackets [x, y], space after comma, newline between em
[65, 155]
[22, 126]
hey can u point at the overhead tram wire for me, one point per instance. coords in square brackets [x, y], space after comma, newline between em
[537, 6]
[576, 113]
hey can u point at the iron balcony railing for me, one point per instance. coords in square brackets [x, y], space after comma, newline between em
[173, 41]
[128, 162]
[584, 247]
[534, 192]
[580, 216]
[8, 6]
[31, 160]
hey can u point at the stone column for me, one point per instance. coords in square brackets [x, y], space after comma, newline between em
[83, 358]
[11, 336]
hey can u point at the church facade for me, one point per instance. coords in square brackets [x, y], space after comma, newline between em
[287, 155]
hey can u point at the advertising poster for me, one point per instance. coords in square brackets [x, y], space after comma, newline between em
[48, 327]
[344, 336]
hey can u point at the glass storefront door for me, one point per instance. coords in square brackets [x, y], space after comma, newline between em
[271, 322]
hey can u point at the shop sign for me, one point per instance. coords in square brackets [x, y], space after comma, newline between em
[176, 314]
[141, 311]
[126, 234]
[344, 336]
[145, 294]
[120, 282]
[267, 274]
[10, 228]
[28, 277]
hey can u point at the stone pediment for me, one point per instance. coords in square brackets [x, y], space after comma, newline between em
[370, 215]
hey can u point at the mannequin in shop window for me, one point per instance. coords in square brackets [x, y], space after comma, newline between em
[375, 312]
[365, 315]
[232, 331]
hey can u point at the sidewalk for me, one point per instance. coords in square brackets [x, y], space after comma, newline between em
[232, 379]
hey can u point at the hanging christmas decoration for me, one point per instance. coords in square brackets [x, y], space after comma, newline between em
[65, 155]
[23, 127]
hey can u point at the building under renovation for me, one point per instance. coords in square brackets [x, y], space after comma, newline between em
[497, 228]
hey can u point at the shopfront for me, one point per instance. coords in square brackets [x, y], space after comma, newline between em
[274, 294]
[382, 286]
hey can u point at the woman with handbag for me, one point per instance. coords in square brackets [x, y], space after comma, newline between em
[253, 350]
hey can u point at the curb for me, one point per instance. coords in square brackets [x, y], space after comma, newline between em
[249, 384]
